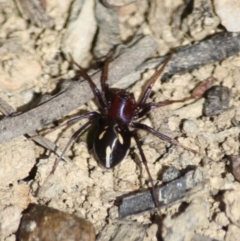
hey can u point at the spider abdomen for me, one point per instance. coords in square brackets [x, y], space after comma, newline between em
[112, 143]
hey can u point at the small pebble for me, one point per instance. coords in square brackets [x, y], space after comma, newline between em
[44, 223]
[231, 201]
[170, 174]
[235, 166]
[228, 12]
[217, 100]
[189, 126]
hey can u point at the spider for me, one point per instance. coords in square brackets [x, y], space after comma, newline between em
[118, 112]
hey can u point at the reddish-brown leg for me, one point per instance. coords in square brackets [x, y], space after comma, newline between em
[152, 81]
[70, 122]
[104, 77]
[160, 135]
[197, 93]
[149, 106]
[94, 88]
[93, 119]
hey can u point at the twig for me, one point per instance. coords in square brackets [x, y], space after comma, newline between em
[7, 110]
[215, 48]
[168, 194]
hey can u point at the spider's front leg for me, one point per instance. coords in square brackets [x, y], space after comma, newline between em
[92, 85]
[151, 83]
[197, 93]
[150, 106]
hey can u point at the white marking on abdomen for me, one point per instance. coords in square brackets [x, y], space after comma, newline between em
[101, 135]
[120, 138]
[108, 156]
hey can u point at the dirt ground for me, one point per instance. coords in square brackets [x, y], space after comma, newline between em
[33, 62]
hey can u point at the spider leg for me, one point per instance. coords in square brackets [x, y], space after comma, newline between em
[152, 81]
[197, 93]
[104, 77]
[144, 160]
[149, 106]
[92, 119]
[94, 88]
[72, 139]
[160, 135]
[70, 122]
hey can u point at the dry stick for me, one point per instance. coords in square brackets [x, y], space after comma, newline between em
[172, 192]
[77, 93]
[7, 110]
[215, 48]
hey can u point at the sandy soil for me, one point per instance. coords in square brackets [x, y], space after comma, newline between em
[32, 63]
